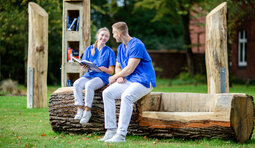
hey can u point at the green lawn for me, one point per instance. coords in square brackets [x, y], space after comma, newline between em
[22, 127]
[163, 86]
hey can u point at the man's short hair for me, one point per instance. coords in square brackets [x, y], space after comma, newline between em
[121, 27]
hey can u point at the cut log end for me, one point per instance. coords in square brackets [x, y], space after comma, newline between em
[217, 9]
[241, 117]
[39, 10]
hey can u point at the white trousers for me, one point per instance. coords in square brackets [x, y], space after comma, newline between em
[90, 85]
[129, 93]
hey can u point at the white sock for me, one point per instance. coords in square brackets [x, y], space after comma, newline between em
[79, 110]
[112, 129]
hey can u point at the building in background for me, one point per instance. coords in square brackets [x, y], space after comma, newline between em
[242, 47]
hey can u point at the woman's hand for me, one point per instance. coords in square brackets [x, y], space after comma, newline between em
[85, 68]
[107, 70]
[103, 69]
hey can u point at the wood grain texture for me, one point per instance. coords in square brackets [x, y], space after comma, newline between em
[150, 102]
[216, 48]
[86, 24]
[38, 53]
[242, 112]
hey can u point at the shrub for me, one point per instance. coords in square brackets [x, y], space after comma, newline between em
[184, 78]
[9, 86]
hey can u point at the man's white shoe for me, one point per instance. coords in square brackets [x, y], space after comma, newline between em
[108, 135]
[116, 138]
[79, 114]
[85, 118]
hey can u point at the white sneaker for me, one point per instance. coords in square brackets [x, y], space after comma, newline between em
[116, 138]
[79, 114]
[108, 135]
[85, 118]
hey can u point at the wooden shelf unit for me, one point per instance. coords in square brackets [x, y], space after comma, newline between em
[77, 38]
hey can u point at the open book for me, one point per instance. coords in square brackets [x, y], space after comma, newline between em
[88, 63]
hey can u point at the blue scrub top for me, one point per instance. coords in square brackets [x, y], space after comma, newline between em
[144, 72]
[105, 57]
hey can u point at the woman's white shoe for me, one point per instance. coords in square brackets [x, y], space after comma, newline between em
[85, 118]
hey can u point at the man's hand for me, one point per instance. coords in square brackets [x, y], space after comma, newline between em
[121, 80]
[112, 79]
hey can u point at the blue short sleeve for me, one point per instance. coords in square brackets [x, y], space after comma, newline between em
[112, 58]
[136, 51]
[118, 54]
[105, 57]
[86, 53]
[144, 73]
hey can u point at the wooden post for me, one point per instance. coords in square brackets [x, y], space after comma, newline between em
[38, 54]
[216, 50]
[86, 24]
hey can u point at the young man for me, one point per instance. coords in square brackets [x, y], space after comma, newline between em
[134, 78]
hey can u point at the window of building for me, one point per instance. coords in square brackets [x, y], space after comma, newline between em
[242, 46]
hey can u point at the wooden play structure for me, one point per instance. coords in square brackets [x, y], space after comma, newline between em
[75, 38]
[183, 115]
[37, 64]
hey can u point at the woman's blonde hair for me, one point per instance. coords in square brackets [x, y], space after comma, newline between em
[95, 44]
[121, 27]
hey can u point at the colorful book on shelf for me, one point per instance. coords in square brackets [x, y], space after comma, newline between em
[77, 25]
[72, 25]
[69, 21]
[69, 54]
[87, 63]
[75, 53]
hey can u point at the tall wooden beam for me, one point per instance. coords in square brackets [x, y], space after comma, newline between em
[37, 55]
[86, 24]
[216, 50]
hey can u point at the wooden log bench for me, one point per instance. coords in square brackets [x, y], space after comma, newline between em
[183, 115]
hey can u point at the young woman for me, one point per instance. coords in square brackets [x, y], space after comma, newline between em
[103, 57]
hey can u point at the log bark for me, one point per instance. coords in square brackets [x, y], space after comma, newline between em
[216, 50]
[38, 54]
[62, 112]
[230, 118]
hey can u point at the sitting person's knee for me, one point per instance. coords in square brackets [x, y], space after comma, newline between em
[128, 97]
[106, 93]
[75, 84]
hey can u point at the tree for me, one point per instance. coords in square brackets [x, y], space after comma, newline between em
[175, 10]
[159, 34]
[238, 12]
[14, 39]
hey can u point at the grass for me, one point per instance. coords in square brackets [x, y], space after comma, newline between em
[22, 127]
[163, 86]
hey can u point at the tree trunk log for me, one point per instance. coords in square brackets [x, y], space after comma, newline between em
[37, 55]
[227, 116]
[216, 50]
[62, 112]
